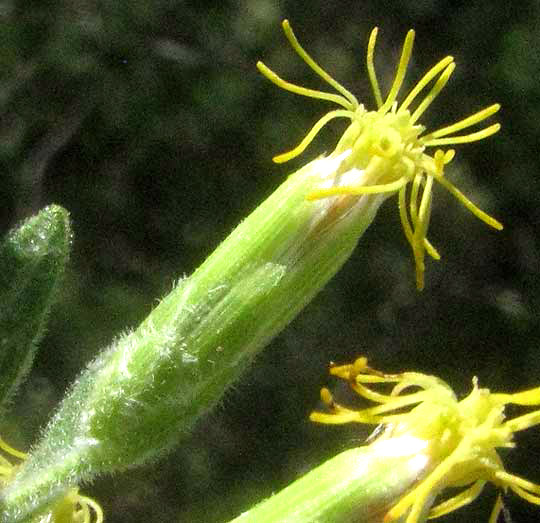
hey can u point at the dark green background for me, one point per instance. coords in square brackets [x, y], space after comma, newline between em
[148, 121]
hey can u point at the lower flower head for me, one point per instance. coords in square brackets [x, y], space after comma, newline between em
[461, 436]
[387, 147]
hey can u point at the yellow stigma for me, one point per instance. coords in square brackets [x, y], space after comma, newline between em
[388, 145]
[72, 508]
[462, 436]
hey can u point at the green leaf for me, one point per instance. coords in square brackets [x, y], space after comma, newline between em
[33, 257]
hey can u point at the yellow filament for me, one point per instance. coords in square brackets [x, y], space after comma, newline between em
[6, 471]
[371, 67]
[407, 229]
[466, 138]
[524, 422]
[396, 403]
[359, 189]
[497, 508]
[520, 486]
[466, 122]
[371, 395]
[460, 500]
[402, 205]
[528, 397]
[420, 233]
[425, 80]
[414, 197]
[338, 418]
[435, 90]
[400, 73]
[492, 222]
[431, 250]
[511, 480]
[527, 496]
[10, 450]
[85, 512]
[89, 502]
[315, 66]
[299, 149]
[303, 91]
[350, 373]
[416, 237]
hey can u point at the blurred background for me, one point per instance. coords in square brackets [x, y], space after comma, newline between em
[149, 122]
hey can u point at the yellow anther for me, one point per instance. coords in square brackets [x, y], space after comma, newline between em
[326, 397]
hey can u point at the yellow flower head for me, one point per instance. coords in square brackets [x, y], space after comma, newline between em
[72, 508]
[387, 147]
[460, 437]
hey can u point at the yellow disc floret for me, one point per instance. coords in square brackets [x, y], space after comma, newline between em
[462, 437]
[388, 146]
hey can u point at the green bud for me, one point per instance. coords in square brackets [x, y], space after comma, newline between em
[360, 484]
[150, 387]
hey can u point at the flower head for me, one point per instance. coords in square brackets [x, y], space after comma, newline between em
[387, 147]
[461, 437]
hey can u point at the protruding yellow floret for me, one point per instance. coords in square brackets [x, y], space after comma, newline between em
[7, 469]
[462, 437]
[388, 145]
